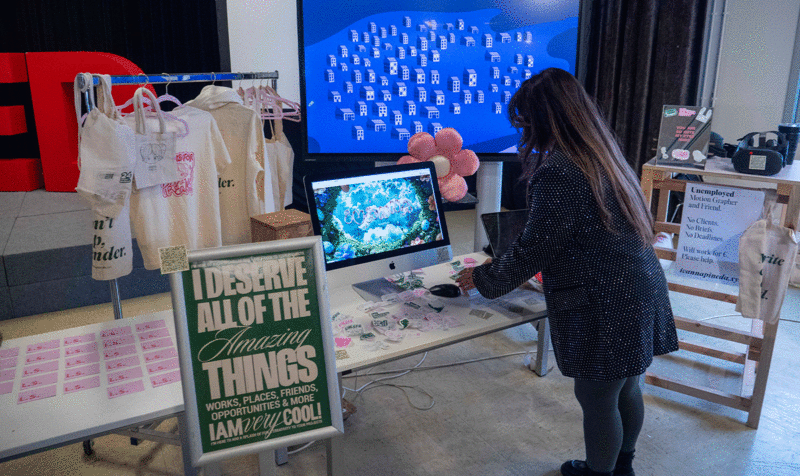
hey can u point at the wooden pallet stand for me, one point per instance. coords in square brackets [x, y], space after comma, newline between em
[760, 340]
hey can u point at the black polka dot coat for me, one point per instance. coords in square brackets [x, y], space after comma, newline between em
[606, 294]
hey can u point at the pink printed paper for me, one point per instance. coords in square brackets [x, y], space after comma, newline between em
[119, 340]
[83, 360]
[37, 369]
[9, 363]
[160, 354]
[6, 375]
[147, 326]
[43, 356]
[85, 371]
[154, 334]
[39, 380]
[37, 394]
[122, 363]
[79, 339]
[157, 344]
[6, 387]
[81, 349]
[163, 365]
[165, 379]
[126, 389]
[5, 353]
[125, 375]
[49, 345]
[85, 384]
[119, 331]
[119, 351]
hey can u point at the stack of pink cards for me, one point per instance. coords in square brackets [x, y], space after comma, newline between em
[8, 369]
[40, 371]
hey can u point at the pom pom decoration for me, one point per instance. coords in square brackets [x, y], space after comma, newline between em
[451, 161]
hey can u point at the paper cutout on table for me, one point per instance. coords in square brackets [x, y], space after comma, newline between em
[12, 352]
[126, 389]
[342, 354]
[160, 355]
[6, 375]
[153, 334]
[81, 349]
[42, 368]
[79, 339]
[85, 371]
[51, 344]
[480, 313]
[147, 326]
[37, 394]
[43, 356]
[167, 378]
[9, 363]
[6, 387]
[375, 345]
[470, 262]
[118, 340]
[342, 342]
[163, 365]
[119, 331]
[38, 381]
[157, 344]
[125, 375]
[122, 363]
[119, 351]
[85, 384]
[83, 360]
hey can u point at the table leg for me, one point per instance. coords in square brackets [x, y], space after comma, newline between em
[183, 430]
[542, 365]
[335, 453]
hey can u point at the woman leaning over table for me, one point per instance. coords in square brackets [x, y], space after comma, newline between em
[589, 232]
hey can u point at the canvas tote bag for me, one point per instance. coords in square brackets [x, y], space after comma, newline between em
[106, 160]
[767, 251]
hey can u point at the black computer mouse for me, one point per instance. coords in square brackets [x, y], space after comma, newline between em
[445, 290]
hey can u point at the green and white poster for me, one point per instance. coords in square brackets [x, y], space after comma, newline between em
[258, 344]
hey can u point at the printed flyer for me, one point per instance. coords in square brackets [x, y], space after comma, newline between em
[683, 136]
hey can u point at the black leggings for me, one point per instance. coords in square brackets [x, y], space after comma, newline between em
[613, 413]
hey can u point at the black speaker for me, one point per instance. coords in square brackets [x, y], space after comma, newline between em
[759, 155]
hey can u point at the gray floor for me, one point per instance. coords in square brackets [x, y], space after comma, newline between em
[495, 417]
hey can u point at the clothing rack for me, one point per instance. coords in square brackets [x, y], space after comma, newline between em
[144, 79]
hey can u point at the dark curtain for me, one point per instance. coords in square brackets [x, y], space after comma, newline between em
[641, 55]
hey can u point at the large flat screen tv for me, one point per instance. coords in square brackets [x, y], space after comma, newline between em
[374, 73]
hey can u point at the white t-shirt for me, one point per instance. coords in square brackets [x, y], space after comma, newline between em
[187, 211]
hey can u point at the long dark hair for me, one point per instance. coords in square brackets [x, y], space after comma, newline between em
[556, 113]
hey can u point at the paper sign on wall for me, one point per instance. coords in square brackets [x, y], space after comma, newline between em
[713, 220]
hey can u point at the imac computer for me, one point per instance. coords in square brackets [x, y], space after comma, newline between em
[378, 222]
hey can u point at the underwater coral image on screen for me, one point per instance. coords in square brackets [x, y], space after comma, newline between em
[367, 218]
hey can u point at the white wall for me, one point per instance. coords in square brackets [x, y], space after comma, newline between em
[754, 69]
[263, 37]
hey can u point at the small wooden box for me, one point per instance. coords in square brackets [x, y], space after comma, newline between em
[280, 225]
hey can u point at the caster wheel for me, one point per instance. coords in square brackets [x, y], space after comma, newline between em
[135, 441]
[87, 447]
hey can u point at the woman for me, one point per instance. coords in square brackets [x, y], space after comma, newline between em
[589, 232]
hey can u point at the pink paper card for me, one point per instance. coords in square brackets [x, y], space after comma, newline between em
[38, 381]
[164, 332]
[157, 344]
[85, 371]
[126, 389]
[160, 355]
[37, 369]
[49, 345]
[85, 384]
[119, 351]
[166, 378]
[37, 394]
[147, 326]
[122, 363]
[119, 340]
[5, 353]
[119, 331]
[6, 375]
[125, 375]
[43, 356]
[9, 363]
[163, 365]
[84, 339]
[6, 387]
[83, 360]
[81, 349]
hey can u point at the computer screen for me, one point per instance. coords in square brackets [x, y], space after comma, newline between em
[382, 220]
